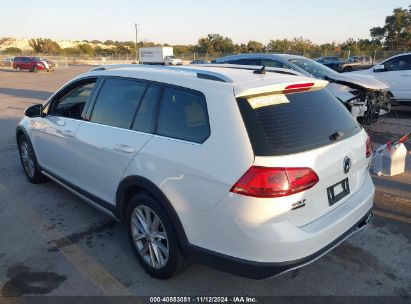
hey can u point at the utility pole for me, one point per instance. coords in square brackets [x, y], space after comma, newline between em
[136, 26]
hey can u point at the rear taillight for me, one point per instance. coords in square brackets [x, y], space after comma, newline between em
[368, 149]
[274, 182]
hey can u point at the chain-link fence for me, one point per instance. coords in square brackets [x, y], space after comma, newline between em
[65, 61]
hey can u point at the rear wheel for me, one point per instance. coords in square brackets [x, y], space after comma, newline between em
[29, 162]
[152, 237]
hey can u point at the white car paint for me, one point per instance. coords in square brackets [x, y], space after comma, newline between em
[197, 178]
[399, 80]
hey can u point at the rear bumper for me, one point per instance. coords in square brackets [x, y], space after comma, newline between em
[259, 270]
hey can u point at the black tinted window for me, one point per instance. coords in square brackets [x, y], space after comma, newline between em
[275, 64]
[301, 122]
[250, 61]
[398, 63]
[117, 102]
[145, 117]
[72, 103]
[183, 115]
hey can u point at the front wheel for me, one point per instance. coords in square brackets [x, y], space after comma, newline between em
[347, 69]
[29, 162]
[35, 69]
[152, 237]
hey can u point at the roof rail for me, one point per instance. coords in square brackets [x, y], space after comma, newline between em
[252, 68]
[204, 74]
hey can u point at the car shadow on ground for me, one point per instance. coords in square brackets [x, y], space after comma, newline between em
[43, 95]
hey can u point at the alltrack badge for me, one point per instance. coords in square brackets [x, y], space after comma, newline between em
[347, 164]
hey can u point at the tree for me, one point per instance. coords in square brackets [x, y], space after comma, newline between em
[255, 46]
[44, 46]
[12, 51]
[279, 45]
[36, 45]
[70, 51]
[204, 45]
[396, 33]
[215, 43]
[86, 49]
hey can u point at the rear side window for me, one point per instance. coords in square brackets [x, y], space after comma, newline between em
[117, 102]
[146, 113]
[249, 61]
[303, 122]
[183, 115]
[275, 64]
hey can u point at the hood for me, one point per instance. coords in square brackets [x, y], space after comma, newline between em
[340, 91]
[359, 81]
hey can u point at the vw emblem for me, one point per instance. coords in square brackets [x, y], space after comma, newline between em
[347, 164]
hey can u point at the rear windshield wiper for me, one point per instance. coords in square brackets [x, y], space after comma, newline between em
[336, 135]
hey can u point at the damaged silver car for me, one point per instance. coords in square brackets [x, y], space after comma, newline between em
[366, 97]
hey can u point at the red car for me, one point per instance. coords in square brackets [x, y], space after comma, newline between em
[33, 64]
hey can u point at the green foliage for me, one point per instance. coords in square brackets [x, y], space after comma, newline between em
[255, 46]
[44, 46]
[215, 43]
[86, 49]
[396, 33]
[70, 51]
[12, 51]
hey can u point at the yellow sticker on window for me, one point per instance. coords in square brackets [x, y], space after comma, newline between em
[268, 100]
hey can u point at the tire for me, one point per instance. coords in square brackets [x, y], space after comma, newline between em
[156, 249]
[35, 69]
[29, 162]
[347, 69]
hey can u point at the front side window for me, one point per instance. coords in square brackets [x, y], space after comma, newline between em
[72, 102]
[183, 115]
[398, 63]
[117, 102]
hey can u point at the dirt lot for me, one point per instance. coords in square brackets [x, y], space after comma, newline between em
[53, 243]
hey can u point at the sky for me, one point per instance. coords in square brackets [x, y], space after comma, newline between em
[185, 21]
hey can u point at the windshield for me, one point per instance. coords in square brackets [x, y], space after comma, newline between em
[352, 59]
[314, 68]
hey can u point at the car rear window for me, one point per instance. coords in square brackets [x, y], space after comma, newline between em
[306, 121]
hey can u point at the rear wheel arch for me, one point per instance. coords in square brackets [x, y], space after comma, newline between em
[134, 184]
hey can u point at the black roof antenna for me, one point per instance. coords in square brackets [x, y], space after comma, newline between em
[262, 71]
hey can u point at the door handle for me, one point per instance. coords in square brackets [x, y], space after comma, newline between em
[123, 148]
[67, 133]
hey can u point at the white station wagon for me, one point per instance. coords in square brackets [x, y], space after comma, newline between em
[253, 172]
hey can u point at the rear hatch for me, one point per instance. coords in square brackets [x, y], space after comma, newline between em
[305, 126]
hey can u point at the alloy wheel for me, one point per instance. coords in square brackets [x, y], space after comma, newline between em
[27, 158]
[150, 236]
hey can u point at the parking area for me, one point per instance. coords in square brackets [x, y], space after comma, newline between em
[55, 244]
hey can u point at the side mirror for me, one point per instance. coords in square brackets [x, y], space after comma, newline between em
[34, 111]
[379, 68]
